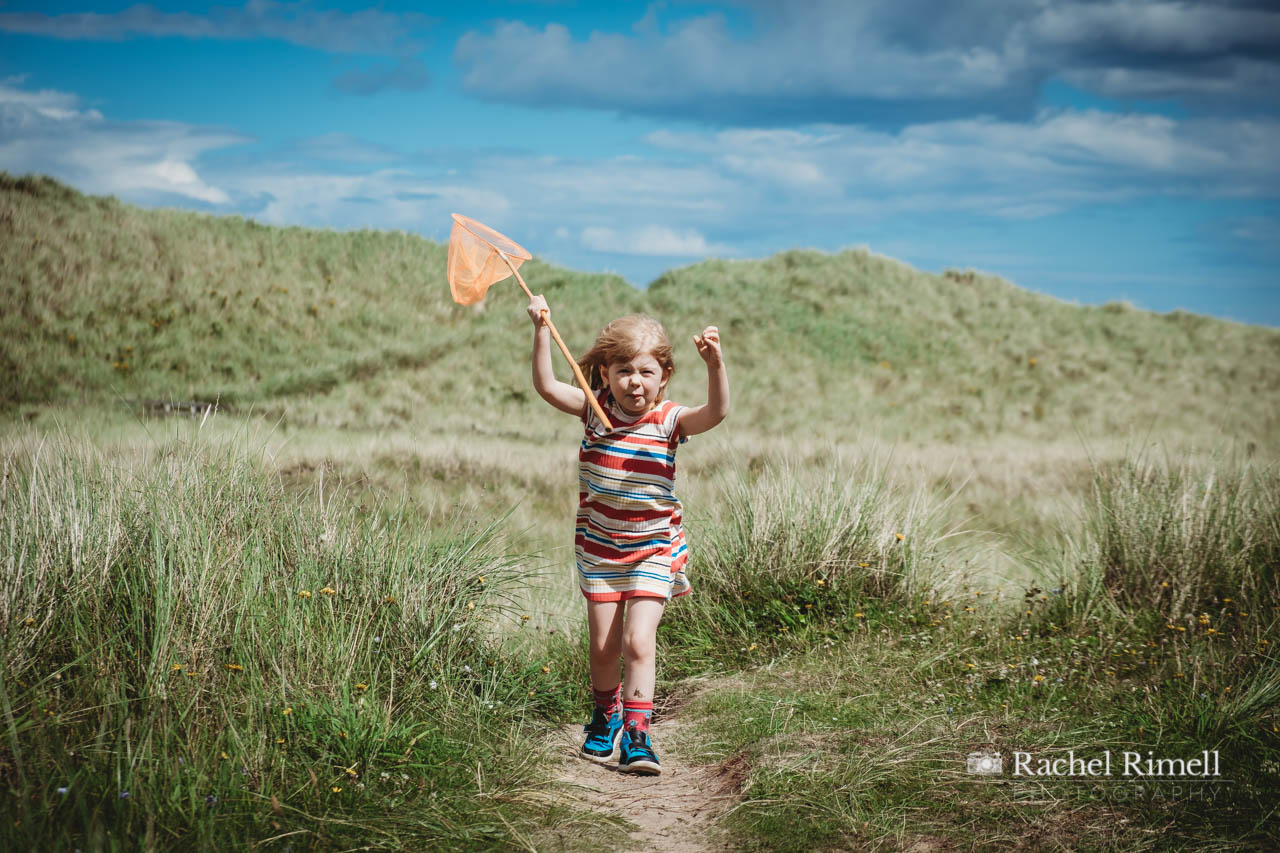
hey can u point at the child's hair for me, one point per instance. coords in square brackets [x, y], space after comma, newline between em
[624, 339]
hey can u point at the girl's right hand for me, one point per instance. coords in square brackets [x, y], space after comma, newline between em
[538, 311]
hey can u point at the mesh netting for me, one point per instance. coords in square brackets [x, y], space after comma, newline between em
[474, 262]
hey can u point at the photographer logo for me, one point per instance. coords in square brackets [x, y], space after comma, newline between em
[985, 764]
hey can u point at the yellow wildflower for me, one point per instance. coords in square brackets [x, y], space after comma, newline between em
[328, 590]
[287, 711]
[362, 686]
[234, 667]
[304, 594]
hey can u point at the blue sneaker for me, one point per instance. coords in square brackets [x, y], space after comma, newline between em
[602, 733]
[637, 754]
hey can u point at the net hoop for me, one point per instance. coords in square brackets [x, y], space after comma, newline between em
[476, 259]
[496, 239]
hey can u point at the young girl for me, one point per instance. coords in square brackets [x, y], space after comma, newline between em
[629, 541]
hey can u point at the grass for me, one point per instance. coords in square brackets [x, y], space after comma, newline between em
[195, 659]
[1048, 467]
[859, 738]
[791, 551]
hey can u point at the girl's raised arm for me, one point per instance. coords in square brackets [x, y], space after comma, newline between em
[702, 418]
[565, 397]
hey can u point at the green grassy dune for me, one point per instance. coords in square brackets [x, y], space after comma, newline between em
[107, 301]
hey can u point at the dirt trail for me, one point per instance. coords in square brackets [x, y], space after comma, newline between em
[674, 813]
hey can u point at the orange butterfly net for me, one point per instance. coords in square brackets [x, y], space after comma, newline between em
[480, 257]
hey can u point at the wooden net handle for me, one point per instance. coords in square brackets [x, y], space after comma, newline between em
[577, 371]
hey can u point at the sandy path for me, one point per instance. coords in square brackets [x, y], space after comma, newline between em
[672, 812]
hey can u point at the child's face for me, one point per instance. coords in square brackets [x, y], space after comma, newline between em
[636, 383]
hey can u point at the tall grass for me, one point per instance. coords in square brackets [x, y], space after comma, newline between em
[192, 658]
[790, 550]
[1187, 557]
[1179, 539]
[1155, 633]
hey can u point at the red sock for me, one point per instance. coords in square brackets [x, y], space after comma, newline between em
[636, 714]
[608, 700]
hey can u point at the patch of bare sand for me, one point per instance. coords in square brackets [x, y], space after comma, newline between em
[673, 813]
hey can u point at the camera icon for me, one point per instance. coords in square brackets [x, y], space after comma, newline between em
[985, 764]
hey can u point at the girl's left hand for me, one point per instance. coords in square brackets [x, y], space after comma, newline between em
[708, 344]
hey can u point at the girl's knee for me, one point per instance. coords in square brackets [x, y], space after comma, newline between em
[639, 645]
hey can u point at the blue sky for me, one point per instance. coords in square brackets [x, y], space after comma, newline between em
[1118, 149]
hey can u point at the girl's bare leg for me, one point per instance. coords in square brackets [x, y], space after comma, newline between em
[604, 626]
[639, 647]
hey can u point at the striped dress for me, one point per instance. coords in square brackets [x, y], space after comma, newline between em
[629, 539]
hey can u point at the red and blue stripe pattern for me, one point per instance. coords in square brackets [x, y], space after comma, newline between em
[629, 538]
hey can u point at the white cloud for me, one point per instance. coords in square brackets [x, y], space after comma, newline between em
[1226, 79]
[880, 61]
[364, 31]
[656, 240]
[46, 131]
[1190, 28]
[1059, 160]
[382, 199]
[825, 51]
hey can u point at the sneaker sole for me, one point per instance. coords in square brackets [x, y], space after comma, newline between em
[641, 767]
[598, 759]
